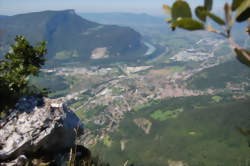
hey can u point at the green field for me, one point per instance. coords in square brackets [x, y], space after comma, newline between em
[162, 115]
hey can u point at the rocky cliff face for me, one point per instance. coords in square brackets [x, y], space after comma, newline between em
[38, 128]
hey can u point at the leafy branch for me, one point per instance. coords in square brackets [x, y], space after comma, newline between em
[20, 63]
[239, 11]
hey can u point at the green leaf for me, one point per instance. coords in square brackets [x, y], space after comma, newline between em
[236, 4]
[217, 19]
[243, 56]
[22, 61]
[208, 4]
[188, 24]
[181, 9]
[243, 11]
[201, 13]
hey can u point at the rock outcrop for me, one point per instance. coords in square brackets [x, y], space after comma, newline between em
[37, 128]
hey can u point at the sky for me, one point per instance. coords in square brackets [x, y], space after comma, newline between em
[153, 7]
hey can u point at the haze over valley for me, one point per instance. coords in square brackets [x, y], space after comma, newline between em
[146, 95]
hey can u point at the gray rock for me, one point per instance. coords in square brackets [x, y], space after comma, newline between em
[48, 128]
[19, 161]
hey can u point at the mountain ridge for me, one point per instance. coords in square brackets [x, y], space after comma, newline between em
[69, 36]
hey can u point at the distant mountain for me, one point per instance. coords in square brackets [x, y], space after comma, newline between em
[2, 16]
[141, 22]
[123, 18]
[147, 24]
[70, 37]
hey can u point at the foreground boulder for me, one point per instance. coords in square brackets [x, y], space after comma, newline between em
[36, 127]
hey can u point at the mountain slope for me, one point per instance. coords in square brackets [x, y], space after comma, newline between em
[204, 135]
[69, 36]
[220, 76]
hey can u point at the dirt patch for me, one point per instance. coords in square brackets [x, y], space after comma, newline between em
[144, 124]
[99, 53]
[176, 163]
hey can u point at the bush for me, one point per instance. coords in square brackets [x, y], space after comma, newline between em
[22, 61]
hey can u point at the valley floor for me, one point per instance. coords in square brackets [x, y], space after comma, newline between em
[157, 108]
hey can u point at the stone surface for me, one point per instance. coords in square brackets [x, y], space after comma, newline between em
[19, 161]
[31, 130]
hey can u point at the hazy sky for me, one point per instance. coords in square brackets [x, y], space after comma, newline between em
[10, 7]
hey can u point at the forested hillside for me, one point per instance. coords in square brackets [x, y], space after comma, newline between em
[70, 37]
